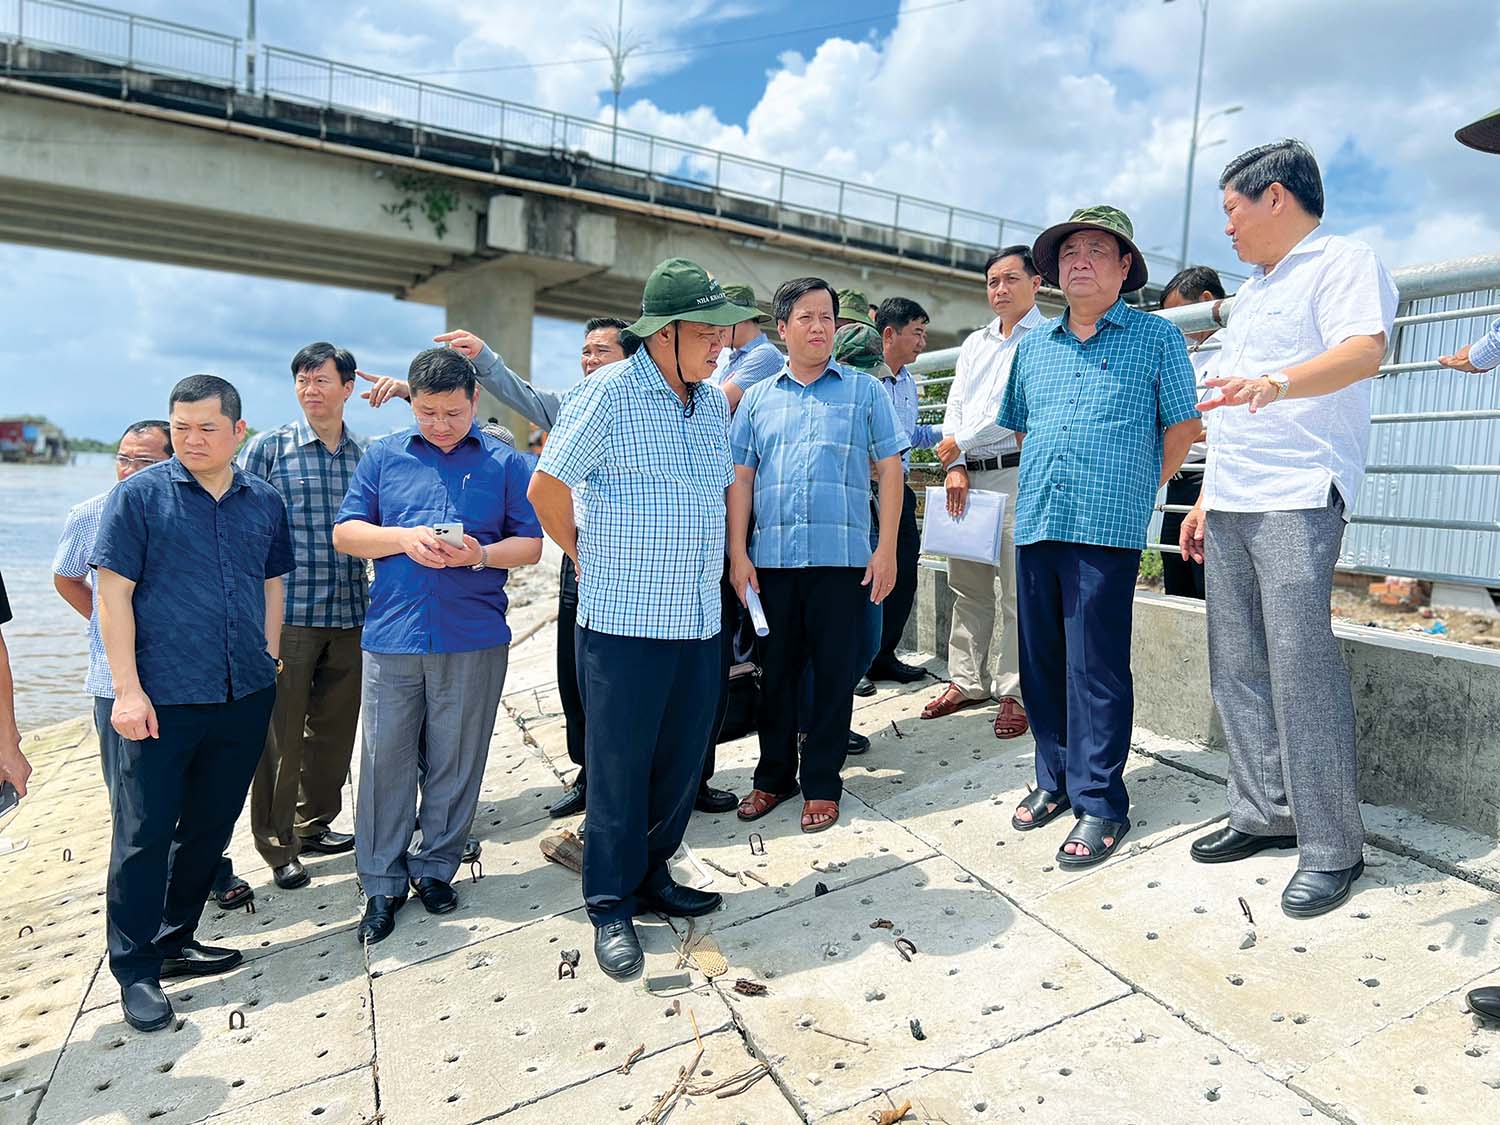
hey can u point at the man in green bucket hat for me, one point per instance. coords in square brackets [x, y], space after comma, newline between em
[1103, 403]
[642, 447]
[748, 356]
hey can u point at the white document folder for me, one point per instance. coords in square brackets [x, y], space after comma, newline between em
[974, 536]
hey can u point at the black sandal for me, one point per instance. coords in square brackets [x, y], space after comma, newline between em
[1036, 803]
[1090, 832]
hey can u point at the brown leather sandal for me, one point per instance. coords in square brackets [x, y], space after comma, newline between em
[1011, 721]
[758, 802]
[829, 809]
[952, 699]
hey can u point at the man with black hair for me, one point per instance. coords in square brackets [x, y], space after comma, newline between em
[435, 638]
[977, 453]
[642, 450]
[1309, 329]
[298, 788]
[902, 324]
[803, 446]
[188, 562]
[1180, 576]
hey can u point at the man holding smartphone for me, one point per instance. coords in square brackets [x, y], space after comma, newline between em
[14, 768]
[442, 510]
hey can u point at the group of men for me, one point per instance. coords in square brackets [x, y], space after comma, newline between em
[697, 470]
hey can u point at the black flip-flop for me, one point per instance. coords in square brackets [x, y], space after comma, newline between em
[1090, 832]
[1036, 803]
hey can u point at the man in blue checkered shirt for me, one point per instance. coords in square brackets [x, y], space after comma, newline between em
[298, 788]
[1103, 402]
[643, 448]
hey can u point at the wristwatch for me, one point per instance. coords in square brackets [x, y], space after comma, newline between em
[1281, 383]
[280, 664]
[483, 558]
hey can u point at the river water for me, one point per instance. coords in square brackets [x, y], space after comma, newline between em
[48, 641]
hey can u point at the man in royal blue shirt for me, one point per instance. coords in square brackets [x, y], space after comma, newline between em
[435, 636]
[189, 560]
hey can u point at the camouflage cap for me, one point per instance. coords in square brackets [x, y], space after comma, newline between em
[1110, 220]
[855, 306]
[742, 296]
[679, 289]
[1483, 134]
[858, 346]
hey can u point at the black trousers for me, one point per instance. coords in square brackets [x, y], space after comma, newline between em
[815, 614]
[650, 706]
[897, 605]
[1178, 575]
[176, 798]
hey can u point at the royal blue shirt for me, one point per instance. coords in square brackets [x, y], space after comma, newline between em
[405, 481]
[199, 566]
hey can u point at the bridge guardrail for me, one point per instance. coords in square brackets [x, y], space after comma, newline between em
[123, 37]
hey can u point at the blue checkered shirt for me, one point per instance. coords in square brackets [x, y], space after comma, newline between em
[648, 483]
[906, 398]
[811, 448]
[1093, 414]
[327, 590]
[755, 362]
[72, 561]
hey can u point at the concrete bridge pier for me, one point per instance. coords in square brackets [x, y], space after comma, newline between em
[497, 302]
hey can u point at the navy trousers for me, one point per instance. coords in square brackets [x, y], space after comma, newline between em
[1073, 608]
[650, 709]
[175, 801]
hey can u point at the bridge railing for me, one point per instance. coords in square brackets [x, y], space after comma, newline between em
[123, 37]
[1429, 505]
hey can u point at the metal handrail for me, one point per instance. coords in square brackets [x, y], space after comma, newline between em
[124, 37]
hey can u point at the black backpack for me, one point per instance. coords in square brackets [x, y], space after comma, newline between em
[744, 681]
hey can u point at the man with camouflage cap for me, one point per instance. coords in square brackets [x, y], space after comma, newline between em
[854, 308]
[643, 447]
[1103, 403]
[748, 356]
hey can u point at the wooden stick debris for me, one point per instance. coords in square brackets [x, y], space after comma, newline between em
[844, 1038]
[752, 875]
[631, 1059]
[658, 1112]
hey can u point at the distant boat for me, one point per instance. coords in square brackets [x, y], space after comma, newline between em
[33, 441]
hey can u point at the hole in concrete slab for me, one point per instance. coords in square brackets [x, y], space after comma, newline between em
[452, 1098]
[1065, 1071]
[155, 1113]
[840, 1065]
[102, 1086]
[1433, 948]
[531, 1070]
[23, 1046]
[237, 1083]
[323, 1052]
[166, 1067]
[599, 1046]
[322, 977]
[1299, 949]
[320, 1015]
[317, 1111]
[1419, 1090]
[451, 1059]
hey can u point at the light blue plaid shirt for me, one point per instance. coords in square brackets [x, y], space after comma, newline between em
[327, 590]
[1485, 352]
[811, 448]
[905, 397]
[648, 483]
[755, 362]
[72, 561]
[1093, 414]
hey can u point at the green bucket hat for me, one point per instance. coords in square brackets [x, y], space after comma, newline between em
[855, 306]
[682, 290]
[858, 346]
[1483, 134]
[743, 297]
[1110, 220]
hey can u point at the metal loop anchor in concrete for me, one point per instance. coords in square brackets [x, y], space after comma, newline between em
[24, 931]
[906, 947]
[567, 968]
[67, 855]
[1245, 907]
[249, 906]
[757, 844]
[241, 1015]
[476, 871]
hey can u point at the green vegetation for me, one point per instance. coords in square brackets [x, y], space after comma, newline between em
[89, 445]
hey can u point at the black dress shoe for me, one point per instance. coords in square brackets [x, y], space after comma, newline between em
[897, 670]
[678, 901]
[290, 876]
[569, 803]
[1485, 1001]
[379, 919]
[437, 896]
[328, 842]
[858, 743]
[1229, 844]
[618, 949]
[200, 961]
[1311, 893]
[710, 799]
[472, 850]
[865, 687]
[145, 1005]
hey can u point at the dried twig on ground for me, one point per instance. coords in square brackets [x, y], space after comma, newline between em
[631, 1059]
[734, 1085]
[845, 1038]
[752, 875]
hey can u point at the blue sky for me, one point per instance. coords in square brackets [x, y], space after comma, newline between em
[1018, 107]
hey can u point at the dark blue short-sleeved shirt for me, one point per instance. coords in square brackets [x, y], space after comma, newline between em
[405, 481]
[199, 568]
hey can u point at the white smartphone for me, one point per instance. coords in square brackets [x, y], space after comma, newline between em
[450, 533]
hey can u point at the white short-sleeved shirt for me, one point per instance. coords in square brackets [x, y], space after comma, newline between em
[1286, 456]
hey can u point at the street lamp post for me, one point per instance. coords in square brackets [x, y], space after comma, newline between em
[619, 48]
[1187, 209]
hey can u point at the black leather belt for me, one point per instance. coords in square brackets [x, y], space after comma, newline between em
[990, 464]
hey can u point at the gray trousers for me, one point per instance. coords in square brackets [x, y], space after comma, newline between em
[983, 658]
[1279, 680]
[458, 694]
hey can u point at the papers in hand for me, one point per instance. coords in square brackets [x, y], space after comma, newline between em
[757, 612]
[974, 536]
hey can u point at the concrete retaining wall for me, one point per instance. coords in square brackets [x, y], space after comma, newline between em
[1427, 712]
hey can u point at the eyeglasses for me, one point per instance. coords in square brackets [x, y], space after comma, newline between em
[136, 462]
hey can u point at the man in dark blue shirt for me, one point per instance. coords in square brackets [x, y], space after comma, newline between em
[435, 637]
[190, 557]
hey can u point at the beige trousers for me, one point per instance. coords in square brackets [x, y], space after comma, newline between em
[982, 664]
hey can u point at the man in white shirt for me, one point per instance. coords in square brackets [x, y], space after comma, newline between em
[980, 454]
[1182, 577]
[1286, 447]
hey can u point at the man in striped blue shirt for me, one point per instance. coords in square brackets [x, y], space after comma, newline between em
[1103, 403]
[642, 447]
[298, 788]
